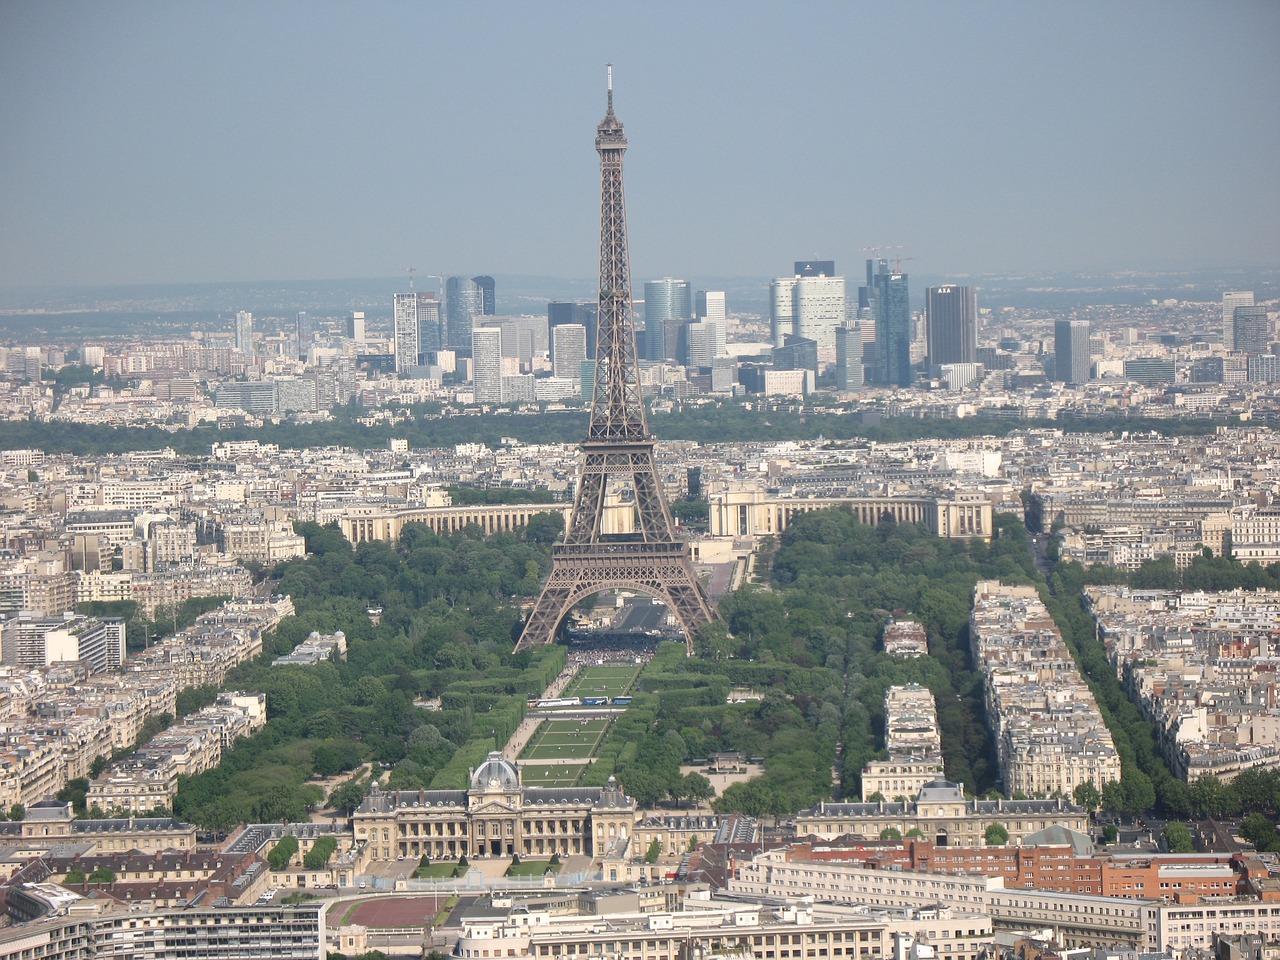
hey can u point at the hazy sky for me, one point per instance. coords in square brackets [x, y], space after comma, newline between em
[199, 141]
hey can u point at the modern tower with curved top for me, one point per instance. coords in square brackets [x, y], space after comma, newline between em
[618, 450]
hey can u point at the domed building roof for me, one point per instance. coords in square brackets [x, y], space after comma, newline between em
[496, 773]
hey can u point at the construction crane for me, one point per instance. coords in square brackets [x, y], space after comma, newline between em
[411, 271]
[875, 251]
[898, 261]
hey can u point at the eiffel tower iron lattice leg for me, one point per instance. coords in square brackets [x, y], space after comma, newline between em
[651, 560]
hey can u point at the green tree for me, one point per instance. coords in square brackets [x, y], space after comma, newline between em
[1086, 795]
[347, 796]
[1139, 793]
[655, 850]
[74, 875]
[1177, 836]
[1113, 799]
[544, 528]
[1110, 833]
[1210, 797]
[320, 853]
[890, 833]
[102, 875]
[1260, 830]
[697, 788]
[281, 855]
[997, 835]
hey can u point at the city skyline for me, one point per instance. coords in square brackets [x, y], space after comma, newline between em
[195, 145]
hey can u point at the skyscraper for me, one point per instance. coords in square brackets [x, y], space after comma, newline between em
[303, 333]
[710, 305]
[810, 304]
[893, 328]
[818, 309]
[706, 342]
[486, 364]
[667, 307]
[563, 311]
[1071, 351]
[404, 330]
[430, 330]
[463, 301]
[244, 332]
[415, 326]
[849, 357]
[707, 336]
[1251, 330]
[867, 293]
[951, 321]
[355, 326]
[1230, 300]
[488, 295]
[568, 350]
[782, 313]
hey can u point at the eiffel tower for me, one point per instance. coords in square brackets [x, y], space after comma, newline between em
[618, 446]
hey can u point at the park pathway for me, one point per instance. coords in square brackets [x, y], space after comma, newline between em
[529, 725]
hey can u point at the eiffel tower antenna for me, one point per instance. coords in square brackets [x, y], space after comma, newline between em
[618, 447]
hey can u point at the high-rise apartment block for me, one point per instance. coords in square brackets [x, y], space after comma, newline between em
[849, 375]
[1251, 329]
[584, 314]
[34, 641]
[356, 326]
[568, 350]
[1230, 300]
[893, 328]
[244, 332]
[303, 333]
[951, 321]
[1071, 351]
[486, 364]
[415, 326]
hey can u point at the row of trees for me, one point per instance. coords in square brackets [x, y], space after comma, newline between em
[719, 421]
[1205, 572]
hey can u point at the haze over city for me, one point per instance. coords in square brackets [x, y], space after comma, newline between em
[158, 143]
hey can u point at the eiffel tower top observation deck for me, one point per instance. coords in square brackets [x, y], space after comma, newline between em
[618, 451]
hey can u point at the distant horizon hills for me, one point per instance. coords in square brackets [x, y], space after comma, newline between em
[528, 294]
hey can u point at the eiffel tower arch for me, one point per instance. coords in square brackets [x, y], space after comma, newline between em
[617, 454]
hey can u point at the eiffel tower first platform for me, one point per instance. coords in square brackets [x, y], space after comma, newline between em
[618, 447]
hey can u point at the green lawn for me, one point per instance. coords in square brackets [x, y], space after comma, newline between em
[567, 740]
[532, 868]
[552, 774]
[603, 680]
[436, 871]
